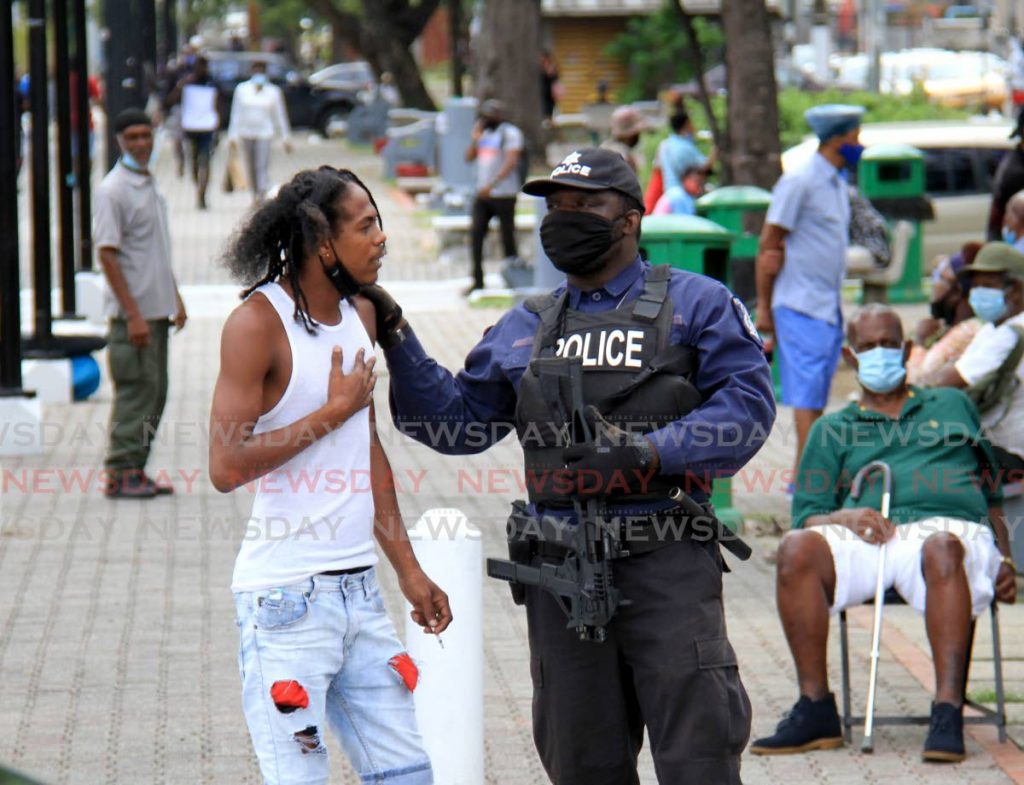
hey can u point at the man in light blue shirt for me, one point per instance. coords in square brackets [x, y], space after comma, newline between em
[801, 262]
[678, 152]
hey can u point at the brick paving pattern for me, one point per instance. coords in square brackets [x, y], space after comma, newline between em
[117, 647]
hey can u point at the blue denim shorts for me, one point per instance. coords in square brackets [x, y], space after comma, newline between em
[324, 651]
[809, 352]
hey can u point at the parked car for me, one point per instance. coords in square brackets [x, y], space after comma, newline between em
[786, 75]
[309, 106]
[954, 79]
[960, 159]
[356, 75]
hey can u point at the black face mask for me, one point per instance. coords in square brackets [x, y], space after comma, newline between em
[490, 125]
[943, 311]
[576, 242]
[341, 278]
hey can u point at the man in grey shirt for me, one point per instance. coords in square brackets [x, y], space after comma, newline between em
[131, 234]
[496, 147]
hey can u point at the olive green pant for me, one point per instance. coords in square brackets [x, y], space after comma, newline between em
[140, 391]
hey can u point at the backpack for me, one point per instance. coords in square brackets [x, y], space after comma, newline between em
[998, 386]
[523, 164]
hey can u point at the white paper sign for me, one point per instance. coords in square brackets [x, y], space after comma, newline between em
[199, 108]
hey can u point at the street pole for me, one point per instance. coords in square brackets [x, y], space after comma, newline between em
[83, 161]
[42, 338]
[168, 46]
[147, 19]
[876, 32]
[455, 36]
[10, 286]
[821, 39]
[123, 57]
[65, 173]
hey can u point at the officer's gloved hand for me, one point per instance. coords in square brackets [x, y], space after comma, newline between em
[615, 462]
[389, 315]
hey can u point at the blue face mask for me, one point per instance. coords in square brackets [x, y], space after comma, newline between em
[881, 370]
[851, 154]
[131, 163]
[259, 79]
[1009, 235]
[988, 304]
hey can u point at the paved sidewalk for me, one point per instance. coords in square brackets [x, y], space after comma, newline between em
[117, 647]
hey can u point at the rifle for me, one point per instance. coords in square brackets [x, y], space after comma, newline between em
[582, 584]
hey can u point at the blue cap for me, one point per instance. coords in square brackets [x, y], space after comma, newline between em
[833, 119]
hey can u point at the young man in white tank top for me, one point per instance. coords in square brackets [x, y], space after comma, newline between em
[293, 415]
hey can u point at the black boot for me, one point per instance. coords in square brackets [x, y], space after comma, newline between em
[945, 742]
[810, 725]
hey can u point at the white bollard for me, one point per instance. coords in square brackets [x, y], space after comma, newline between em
[90, 293]
[450, 694]
[21, 432]
[50, 379]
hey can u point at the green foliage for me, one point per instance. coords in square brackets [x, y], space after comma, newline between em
[792, 125]
[280, 18]
[989, 696]
[654, 48]
[879, 109]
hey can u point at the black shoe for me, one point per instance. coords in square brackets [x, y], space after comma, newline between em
[945, 742]
[161, 488]
[130, 484]
[810, 725]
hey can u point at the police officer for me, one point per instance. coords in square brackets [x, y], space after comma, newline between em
[677, 371]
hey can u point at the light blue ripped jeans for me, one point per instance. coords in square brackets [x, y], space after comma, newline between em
[320, 650]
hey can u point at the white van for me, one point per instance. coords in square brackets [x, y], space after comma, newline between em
[960, 159]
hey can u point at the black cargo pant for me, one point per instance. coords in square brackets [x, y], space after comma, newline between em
[666, 665]
[483, 210]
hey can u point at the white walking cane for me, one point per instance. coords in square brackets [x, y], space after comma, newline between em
[876, 634]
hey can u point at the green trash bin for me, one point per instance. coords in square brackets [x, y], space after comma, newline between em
[698, 245]
[741, 210]
[892, 177]
[688, 242]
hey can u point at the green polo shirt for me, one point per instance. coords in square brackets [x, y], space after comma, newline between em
[933, 448]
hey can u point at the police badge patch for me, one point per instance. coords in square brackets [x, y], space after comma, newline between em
[748, 323]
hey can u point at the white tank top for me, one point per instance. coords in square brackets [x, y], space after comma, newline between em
[315, 512]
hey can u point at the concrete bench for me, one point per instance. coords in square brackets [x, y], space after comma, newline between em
[459, 225]
[453, 235]
[416, 185]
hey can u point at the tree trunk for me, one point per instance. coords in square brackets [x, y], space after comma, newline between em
[388, 30]
[383, 34]
[697, 60]
[752, 155]
[506, 61]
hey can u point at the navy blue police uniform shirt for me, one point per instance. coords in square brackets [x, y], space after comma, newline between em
[466, 413]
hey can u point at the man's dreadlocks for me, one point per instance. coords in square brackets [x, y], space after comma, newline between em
[273, 243]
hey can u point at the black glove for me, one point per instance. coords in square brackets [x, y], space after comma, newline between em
[614, 463]
[389, 316]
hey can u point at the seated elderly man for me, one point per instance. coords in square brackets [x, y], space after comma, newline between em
[947, 540]
[996, 279]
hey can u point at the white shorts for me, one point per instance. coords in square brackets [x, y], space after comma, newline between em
[856, 562]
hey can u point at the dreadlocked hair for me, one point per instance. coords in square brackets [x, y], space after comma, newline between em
[275, 240]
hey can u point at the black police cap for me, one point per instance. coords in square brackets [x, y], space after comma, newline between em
[592, 169]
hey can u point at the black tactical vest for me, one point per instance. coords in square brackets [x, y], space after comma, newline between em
[631, 373]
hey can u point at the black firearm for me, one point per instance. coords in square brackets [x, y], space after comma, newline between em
[582, 584]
